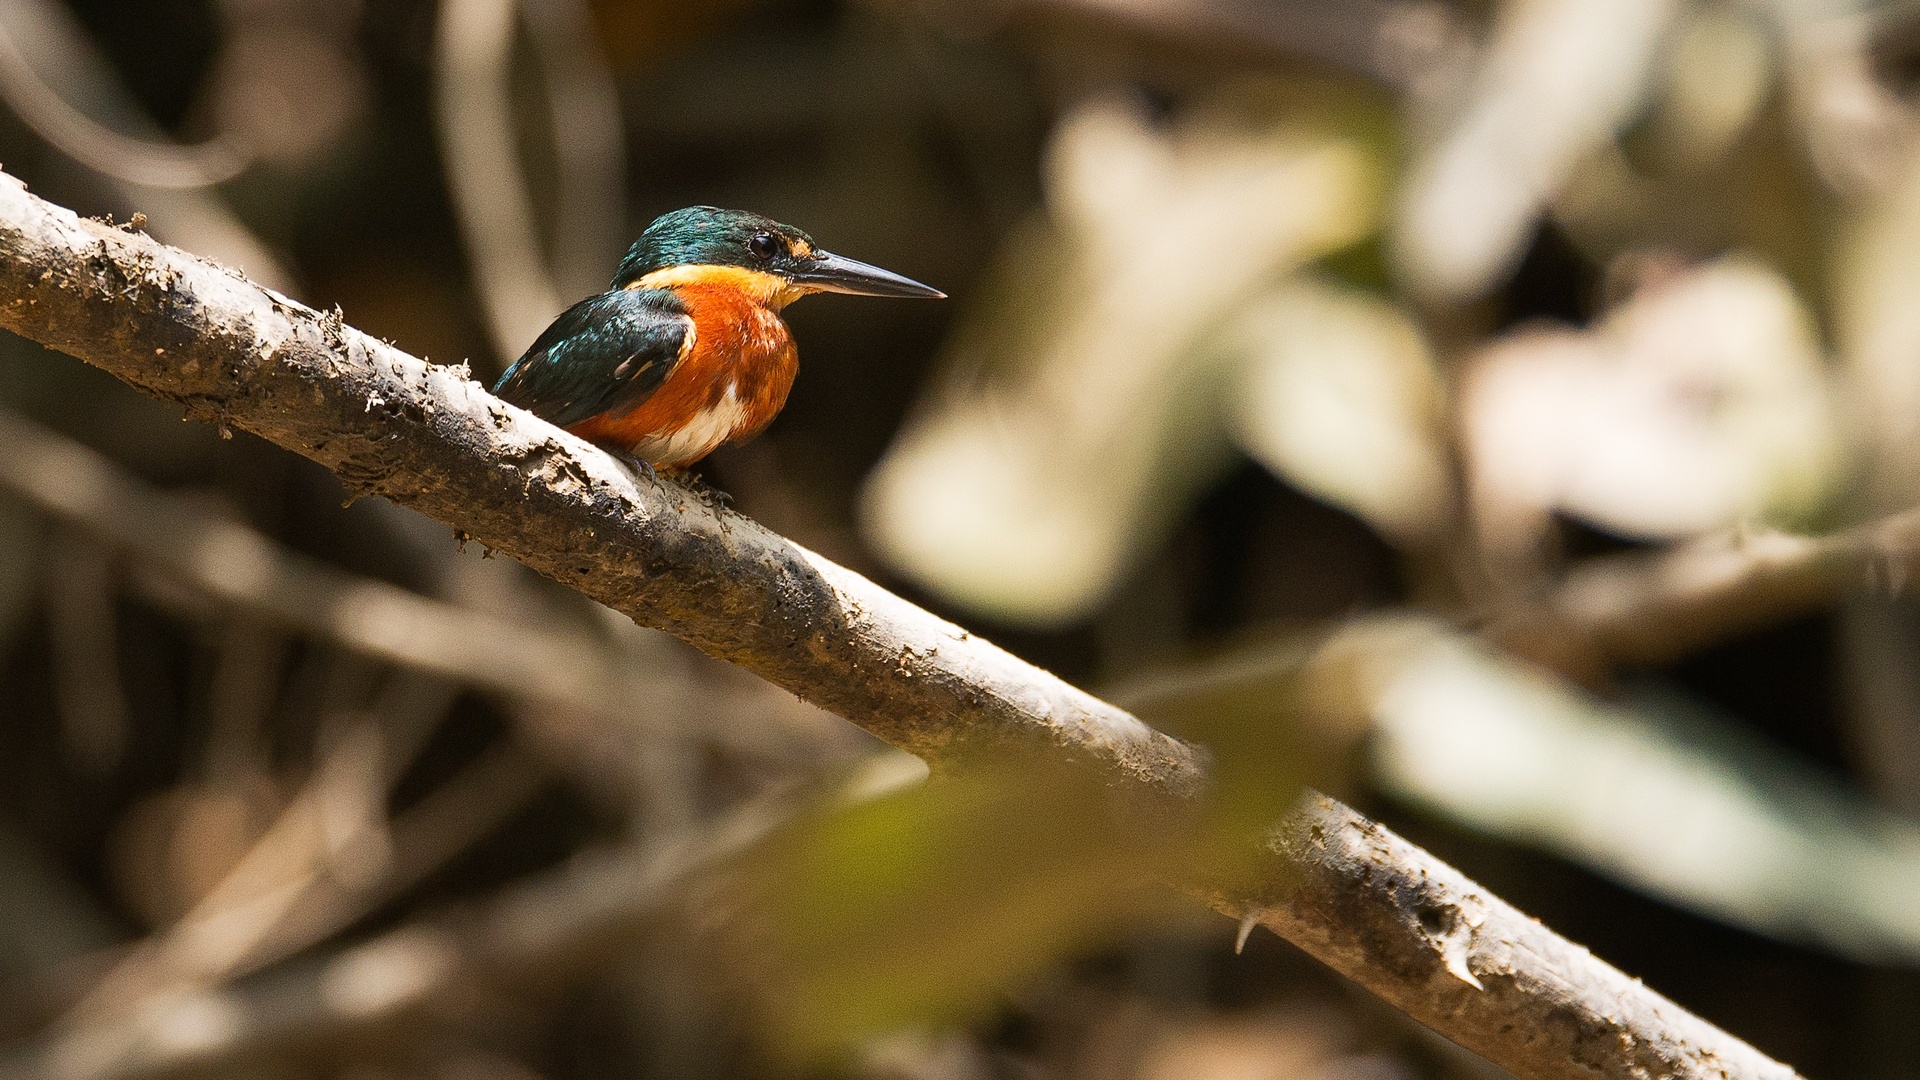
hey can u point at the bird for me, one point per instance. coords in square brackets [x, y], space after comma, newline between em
[686, 350]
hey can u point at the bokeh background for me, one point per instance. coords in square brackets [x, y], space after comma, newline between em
[1325, 377]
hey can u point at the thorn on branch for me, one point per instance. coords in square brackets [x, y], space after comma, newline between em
[1248, 923]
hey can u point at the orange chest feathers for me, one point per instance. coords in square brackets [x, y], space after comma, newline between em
[738, 340]
[730, 382]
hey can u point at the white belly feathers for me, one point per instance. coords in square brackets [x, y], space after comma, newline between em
[699, 436]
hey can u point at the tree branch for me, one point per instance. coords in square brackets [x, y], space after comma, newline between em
[1449, 953]
[428, 437]
[1650, 609]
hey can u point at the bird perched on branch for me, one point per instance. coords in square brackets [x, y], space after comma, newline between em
[687, 351]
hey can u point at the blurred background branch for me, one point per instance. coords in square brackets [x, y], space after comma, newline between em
[64, 86]
[549, 928]
[143, 164]
[1649, 609]
[474, 56]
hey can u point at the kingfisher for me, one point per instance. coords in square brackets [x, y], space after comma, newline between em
[686, 350]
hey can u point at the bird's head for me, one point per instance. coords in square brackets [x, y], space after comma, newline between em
[774, 263]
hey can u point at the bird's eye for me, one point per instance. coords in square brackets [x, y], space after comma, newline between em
[764, 246]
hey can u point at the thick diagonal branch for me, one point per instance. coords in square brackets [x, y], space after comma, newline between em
[1385, 914]
[430, 438]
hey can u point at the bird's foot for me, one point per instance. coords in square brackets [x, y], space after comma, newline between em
[687, 478]
[641, 468]
[712, 496]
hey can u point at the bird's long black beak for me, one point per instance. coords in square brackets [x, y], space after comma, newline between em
[837, 273]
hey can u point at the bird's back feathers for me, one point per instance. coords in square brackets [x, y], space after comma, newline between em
[607, 353]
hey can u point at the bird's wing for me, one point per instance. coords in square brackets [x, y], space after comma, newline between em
[606, 353]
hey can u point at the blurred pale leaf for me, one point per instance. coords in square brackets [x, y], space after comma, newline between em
[1078, 415]
[920, 1054]
[1338, 394]
[1855, 127]
[1559, 78]
[1700, 403]
[1719, 70]
[1655, 793]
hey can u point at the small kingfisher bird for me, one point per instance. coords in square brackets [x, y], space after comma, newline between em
[687, 351]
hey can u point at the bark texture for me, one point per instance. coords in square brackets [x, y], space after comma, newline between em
[1347, 891]
[1450, 954]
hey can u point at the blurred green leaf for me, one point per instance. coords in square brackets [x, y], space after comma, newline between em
[920, 907]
